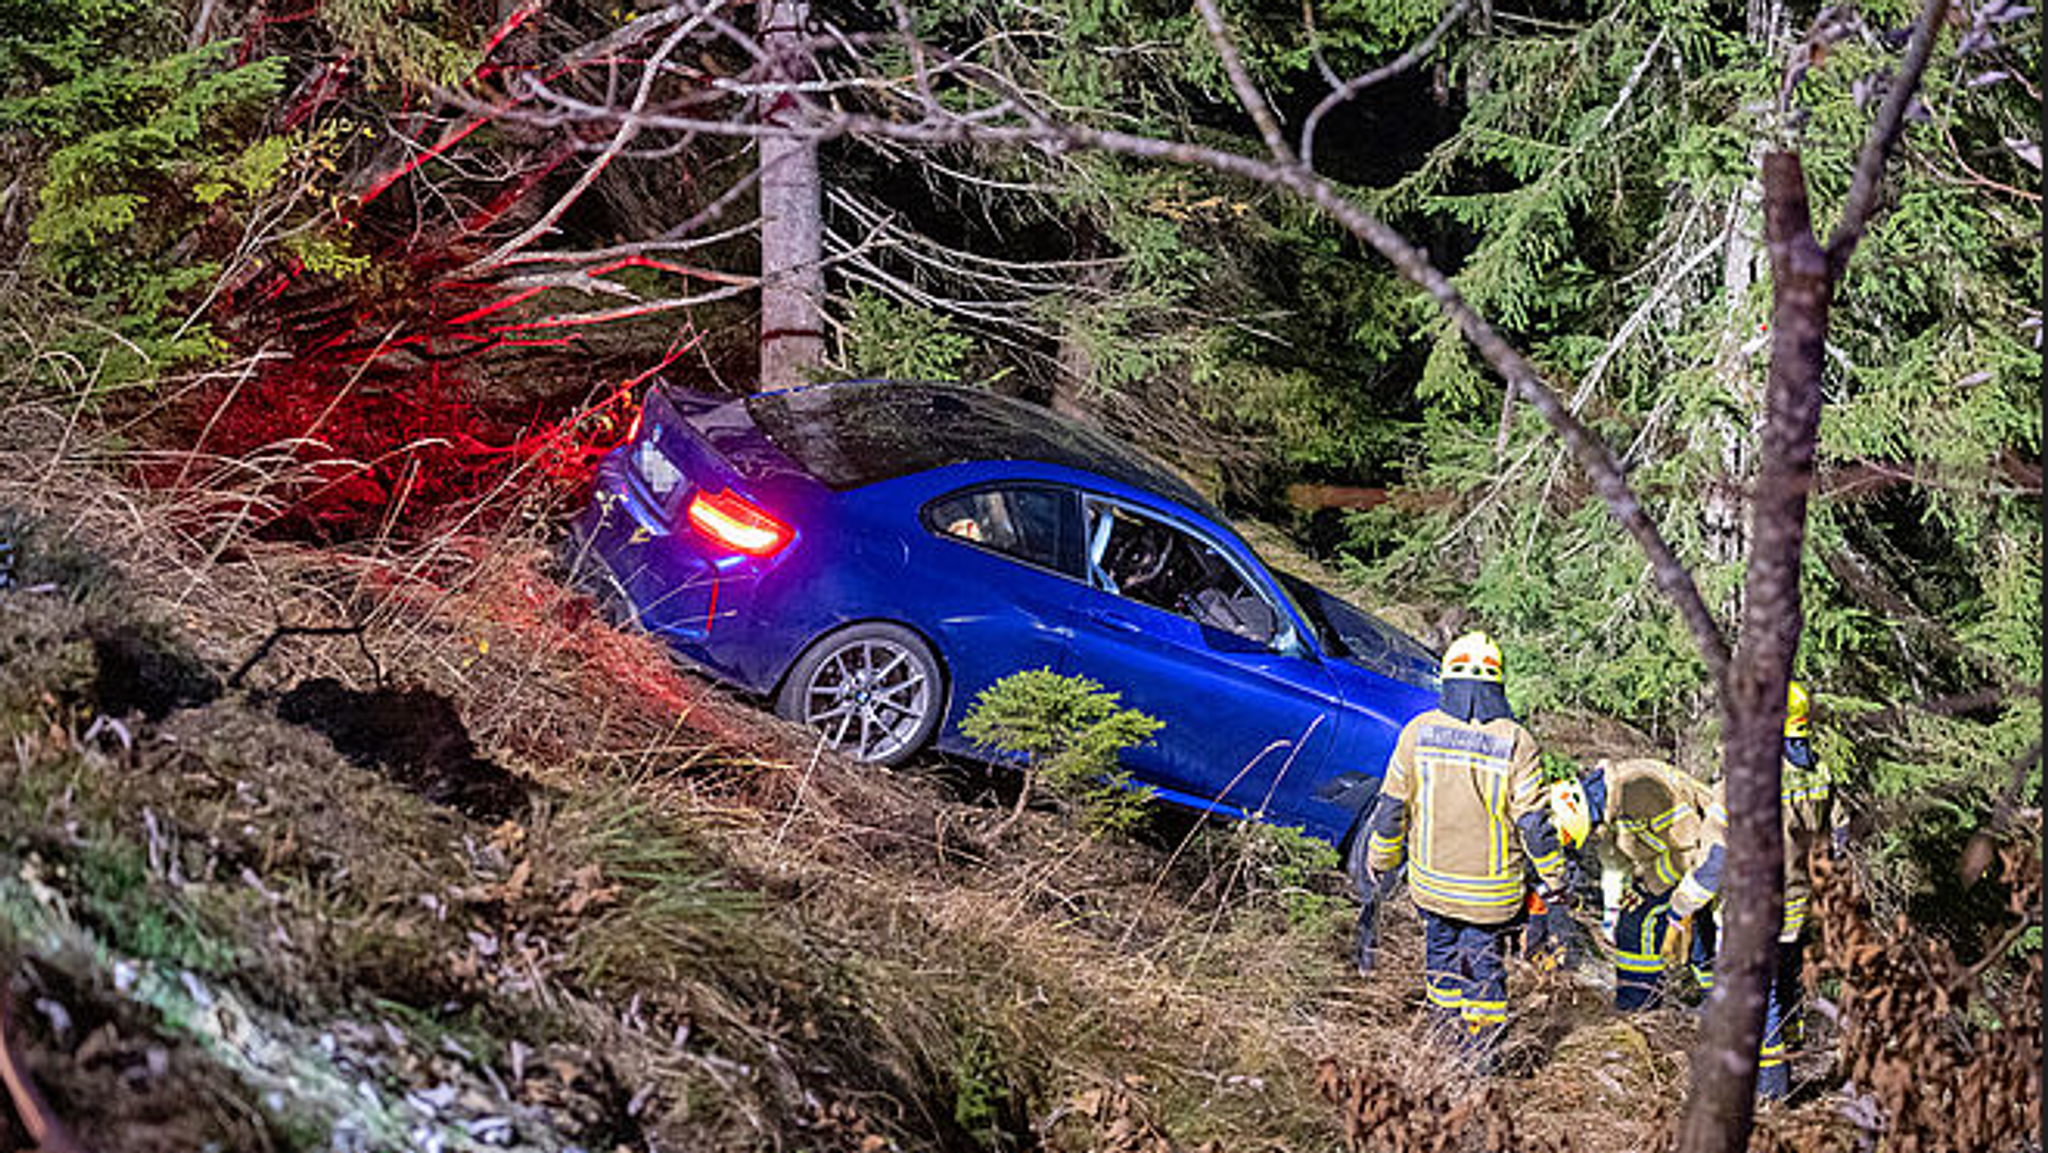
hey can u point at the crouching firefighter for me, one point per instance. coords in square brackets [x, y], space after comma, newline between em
[1463, 806]
[1670, 831]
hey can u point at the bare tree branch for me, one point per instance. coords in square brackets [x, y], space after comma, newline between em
[1891, 121]
[1591, 453]
[629, 127]
[616, 252]
[1718, 1112]
[1724, 1069]
[1350, 89]
[1249, 97]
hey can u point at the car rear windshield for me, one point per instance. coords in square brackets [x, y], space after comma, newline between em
[861, 432]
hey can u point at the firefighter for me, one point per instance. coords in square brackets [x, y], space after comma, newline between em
[1670, 831]
[1463, 806]
[1811, 823]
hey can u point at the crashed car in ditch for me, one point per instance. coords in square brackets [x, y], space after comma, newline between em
[870, 555]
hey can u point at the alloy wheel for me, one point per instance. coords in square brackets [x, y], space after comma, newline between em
[870, 697]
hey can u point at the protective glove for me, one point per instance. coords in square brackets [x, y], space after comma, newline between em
[1677, 937]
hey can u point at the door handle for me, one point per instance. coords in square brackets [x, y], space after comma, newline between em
[1118, 623]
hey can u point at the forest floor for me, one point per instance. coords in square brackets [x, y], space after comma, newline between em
[488, 872]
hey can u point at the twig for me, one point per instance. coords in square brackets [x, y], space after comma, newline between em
[44, 1129]
[282, 631]
[1344, 92]
[1891, 121]
[1249, 97]
[200, 24]
[629, 127]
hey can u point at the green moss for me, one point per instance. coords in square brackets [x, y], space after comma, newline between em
[136, 915]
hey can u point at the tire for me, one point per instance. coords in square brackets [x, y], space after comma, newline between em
[875, 690]
[1354, 856]
[1356, 845]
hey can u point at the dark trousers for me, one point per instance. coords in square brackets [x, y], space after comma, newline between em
[1639, 953]
[1781, 1008]
[1639, 956]
[1465, 973]
[1781, 1021]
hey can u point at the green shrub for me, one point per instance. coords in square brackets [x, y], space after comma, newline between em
[149, 161]
[982, 1096]
[1067, 732]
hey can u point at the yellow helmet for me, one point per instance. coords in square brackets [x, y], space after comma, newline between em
[1796, 705]
[1473, 656]
[1571, 812]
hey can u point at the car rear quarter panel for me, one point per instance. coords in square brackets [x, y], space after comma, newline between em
[986, 615]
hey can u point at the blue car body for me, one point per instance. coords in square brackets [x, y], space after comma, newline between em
[1289, 719]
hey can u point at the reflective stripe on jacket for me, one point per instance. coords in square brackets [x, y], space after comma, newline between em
[1807, 803]
[1670, 828]
[1463, 804]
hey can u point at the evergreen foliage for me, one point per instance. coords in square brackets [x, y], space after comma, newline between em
[1596, 196]
[1068, 732]
[410, 41]
[141, 146]
[902, 342]
[1607, 174]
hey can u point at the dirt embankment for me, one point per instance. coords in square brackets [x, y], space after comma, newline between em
[476, 870]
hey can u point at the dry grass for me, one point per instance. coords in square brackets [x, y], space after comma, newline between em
[749, 940]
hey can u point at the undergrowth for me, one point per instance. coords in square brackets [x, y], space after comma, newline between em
[704, 931]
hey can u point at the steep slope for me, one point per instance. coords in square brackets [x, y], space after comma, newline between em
[480, 870]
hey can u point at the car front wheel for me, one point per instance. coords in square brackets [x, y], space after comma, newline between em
[872, 689]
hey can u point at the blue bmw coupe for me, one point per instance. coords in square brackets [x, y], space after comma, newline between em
[872, 554]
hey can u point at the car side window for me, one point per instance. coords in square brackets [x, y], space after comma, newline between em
[1019, 522]
[1150, 561]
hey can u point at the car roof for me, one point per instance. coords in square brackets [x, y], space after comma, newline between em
[854, 433]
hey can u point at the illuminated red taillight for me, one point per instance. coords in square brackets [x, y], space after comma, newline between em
[733, 522]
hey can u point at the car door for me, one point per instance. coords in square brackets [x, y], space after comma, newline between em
[1250, 713]
[999, 567]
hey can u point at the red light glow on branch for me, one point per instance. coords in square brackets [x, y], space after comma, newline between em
[448, 140]
[441, 391]
[512, 23]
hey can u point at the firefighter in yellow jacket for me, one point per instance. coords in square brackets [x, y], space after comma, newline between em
[1812, 821]
[1462, 804]
[1670, 832]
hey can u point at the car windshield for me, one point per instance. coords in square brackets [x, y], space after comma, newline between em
[859, 432]
[1350, 633]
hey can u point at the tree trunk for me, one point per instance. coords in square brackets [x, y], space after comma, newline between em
[1734, 427]
[1724, 1070]
[792, 209]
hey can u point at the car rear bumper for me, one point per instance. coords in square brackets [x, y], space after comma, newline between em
[676, 588]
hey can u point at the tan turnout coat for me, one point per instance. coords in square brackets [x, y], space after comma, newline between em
[1666, 823]
[1464, 790]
